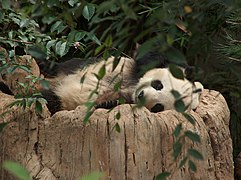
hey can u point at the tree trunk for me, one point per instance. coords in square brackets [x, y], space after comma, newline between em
[61, 147]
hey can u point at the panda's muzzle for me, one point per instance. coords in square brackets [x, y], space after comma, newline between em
[157, 108]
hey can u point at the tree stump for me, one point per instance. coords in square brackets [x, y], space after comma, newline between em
[61, 147]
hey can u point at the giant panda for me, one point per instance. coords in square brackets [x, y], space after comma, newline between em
[75, 84]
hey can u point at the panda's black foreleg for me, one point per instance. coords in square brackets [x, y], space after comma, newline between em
[108, 104]
[53, 101]
[110, 99]
[5, 89]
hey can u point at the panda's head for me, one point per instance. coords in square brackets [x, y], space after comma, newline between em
[155, 91]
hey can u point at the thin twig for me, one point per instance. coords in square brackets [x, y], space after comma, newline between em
[15, 40]
[234, 23]
[235, 59]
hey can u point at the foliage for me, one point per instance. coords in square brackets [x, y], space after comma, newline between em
[93, 176]
[181, 137]
[28, 94]
[203, 33]
[230, 80]
[17, 170]
[21, 173]
[2, 125]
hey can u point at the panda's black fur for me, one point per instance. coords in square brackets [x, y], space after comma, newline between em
[5, 89]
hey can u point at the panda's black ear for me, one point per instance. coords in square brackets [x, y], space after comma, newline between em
[191, 73]
[188, 71]
[150, 60]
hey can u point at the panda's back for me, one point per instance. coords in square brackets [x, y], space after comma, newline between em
[77, 88]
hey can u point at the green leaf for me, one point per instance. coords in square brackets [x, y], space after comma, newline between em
[183, 161]
[177, 147]
[162, 176]
[105, 6]
[57, 46]
[118, 115]
[169, 39]
[192, 166]
[177, 130]
[196, 154]
[175, 57]
[41, 100]
[129, 11]
[6, 4]
[79, 36]
[117, 128]
[82, 79]
[117, 85]
[93, 176]
[193, 136]
[92, 37]
[87, 116]
[15, 103]
[73, 2]
[37, 52]
[2, 125]
[71, 37]
[88, 11]
[180, 106]
[48, 19]
[24, 23]
[189, 118]
[89, 105]
[50, 44]
[55, 26]
[176, 72]
[176, 94]
[21, 84]
[121, 100]
[99, 49]
[11, 69]
[24, 68]
[17, 170]
[52, 3]
[44, 83]
[108, 41]
[145, 48]
[38, 107]
[29, 101]
[1, 17]
[102, 72]
[63, 49]
[61, 29]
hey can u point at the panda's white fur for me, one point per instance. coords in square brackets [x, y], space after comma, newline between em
[190, 92]
[71, 91]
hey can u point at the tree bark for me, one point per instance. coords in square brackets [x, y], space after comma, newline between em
[62, 147]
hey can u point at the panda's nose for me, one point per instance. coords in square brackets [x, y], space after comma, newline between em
[141, 95]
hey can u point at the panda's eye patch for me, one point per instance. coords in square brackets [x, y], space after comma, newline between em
[156, 84]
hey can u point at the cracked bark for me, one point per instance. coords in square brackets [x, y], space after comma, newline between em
[61, 147]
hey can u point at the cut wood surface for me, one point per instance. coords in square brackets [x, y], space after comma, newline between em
[61, 147]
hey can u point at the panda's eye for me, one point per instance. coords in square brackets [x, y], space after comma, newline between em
[156, 84]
